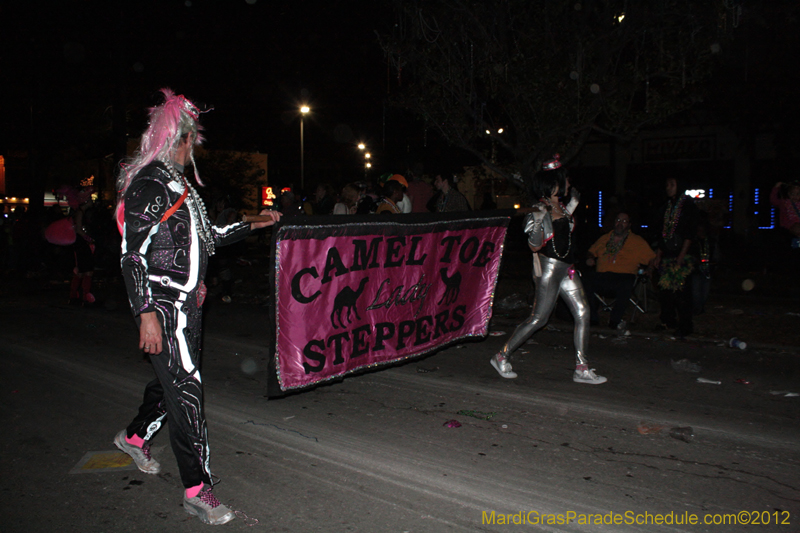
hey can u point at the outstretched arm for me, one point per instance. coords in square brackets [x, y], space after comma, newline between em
[535, 231]
[271, 216]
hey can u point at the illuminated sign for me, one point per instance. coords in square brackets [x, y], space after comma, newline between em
[267, 197]
[695, 193]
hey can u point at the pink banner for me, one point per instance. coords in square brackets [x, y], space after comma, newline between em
[356, 295]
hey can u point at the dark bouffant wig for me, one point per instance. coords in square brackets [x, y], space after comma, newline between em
[545, 182]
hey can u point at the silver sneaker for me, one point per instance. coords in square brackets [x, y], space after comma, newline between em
[141, 456]
[207, 508]
[588, 376]
[503, 367]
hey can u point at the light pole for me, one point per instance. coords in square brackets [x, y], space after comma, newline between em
[494, 143]
[494, 152]
[303, 110]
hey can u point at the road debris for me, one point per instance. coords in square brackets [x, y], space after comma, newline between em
[482, 415]
[513, 302]
[736, 343]
[686, 434]
[684, 365]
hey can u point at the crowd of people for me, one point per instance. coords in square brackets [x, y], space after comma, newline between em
[683, 266]
[390, 194]
[680, 259]
[66, 242]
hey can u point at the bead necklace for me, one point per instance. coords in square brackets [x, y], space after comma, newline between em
[393, 206]
[564, 212]
[558, 206]
[613, 247]
[671, 218]
[197, 209]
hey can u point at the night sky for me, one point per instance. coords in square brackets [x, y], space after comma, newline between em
[68, 64]
[74, 70]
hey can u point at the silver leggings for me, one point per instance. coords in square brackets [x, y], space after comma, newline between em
[555, 281]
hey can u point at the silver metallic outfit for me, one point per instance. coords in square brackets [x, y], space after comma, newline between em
[552, 278]
[555, 281]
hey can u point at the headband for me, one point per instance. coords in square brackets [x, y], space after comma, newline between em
[553, 163]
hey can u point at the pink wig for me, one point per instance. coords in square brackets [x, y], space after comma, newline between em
[168, 123]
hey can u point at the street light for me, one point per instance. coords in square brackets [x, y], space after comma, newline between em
[303, 110]
[367, 164]
[493, 137]
[367, 156]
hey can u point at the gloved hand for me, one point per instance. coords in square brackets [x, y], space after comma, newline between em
[533, 227]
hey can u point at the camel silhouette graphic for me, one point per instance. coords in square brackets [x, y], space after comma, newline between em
[453, 287]
[346, 299]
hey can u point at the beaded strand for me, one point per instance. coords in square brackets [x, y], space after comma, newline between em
[197, 209]
[569, 233]
[671, 217]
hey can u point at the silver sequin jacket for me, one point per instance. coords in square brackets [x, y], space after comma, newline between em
[539, 223]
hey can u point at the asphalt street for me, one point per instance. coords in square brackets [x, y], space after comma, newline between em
[378, 451]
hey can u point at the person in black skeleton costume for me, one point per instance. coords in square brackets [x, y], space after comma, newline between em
[166, 242]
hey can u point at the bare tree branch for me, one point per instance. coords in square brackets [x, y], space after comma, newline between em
[549, 73]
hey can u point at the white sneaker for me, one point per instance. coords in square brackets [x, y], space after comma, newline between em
[503, 367]
[141, 456]
[588, 376]
[207, 508]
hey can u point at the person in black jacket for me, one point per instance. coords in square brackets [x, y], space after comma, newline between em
[678, 218]
[167, 239]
